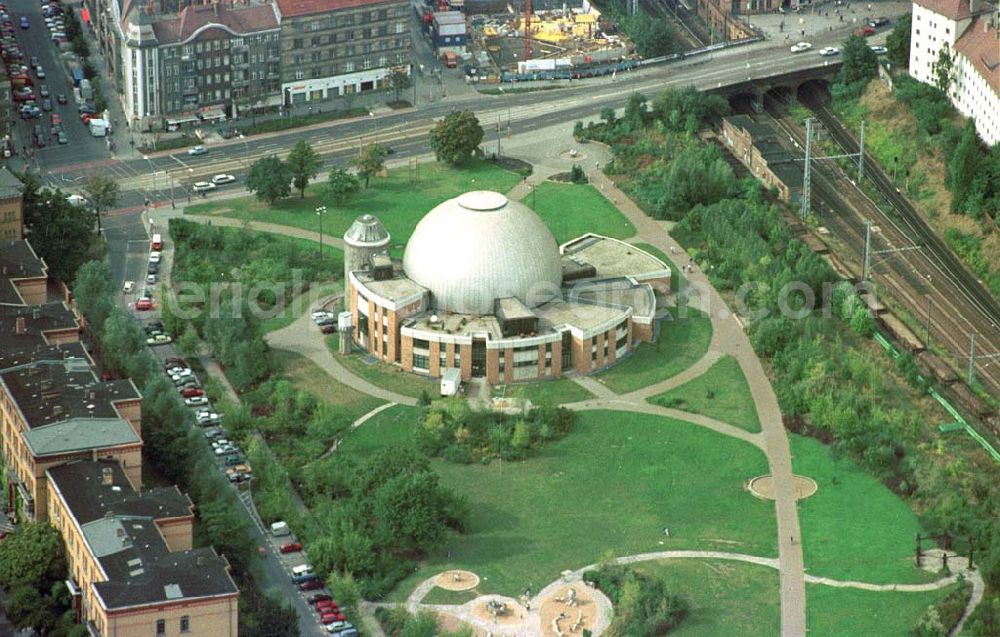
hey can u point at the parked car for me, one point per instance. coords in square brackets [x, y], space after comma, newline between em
[40, 72]
[143, 305]
[86, 108]
[196, 401]
[214, 433]
[159, 339]
[879, 50]
[318, 597]
[291, 547]
[329, 618]
[231, 461]
[330, 328]
[61, 98]
[61, 138]
[880, 21]
[327, 607]
[203, 186]
[46, 105]
[175, 360]
[219, 180]
[151, 279]
[128, 287]
[152, 268]
[336, 627]
[24, 23]
[191, 392]
[197, 150]
[313, 585]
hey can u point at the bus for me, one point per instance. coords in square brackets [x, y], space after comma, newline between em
[157, 242]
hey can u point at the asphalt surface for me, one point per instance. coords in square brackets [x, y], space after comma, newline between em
[35, 42]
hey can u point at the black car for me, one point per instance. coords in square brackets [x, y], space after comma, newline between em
[46, 104]
[305, 577]
[61, 98]
[152, 268]
[87, 108]
[878, 22]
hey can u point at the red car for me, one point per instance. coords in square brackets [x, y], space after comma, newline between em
[312, 585]
[85, 117]
[319, 597]
[291, 547]
[190, 392]
[56, 119]
[174, 362]
[327, 606]
[329, 618]
[143, 305]
[864, 32]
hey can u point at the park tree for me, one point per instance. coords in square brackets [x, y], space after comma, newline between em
[944, 69]
[304, 164]
[93, 293]
[370, 161]
[269, 179]
[898, 41]
[859, 67]
[226, 528]
[60, 233]
[121, 339]
[456, 137]
[635, 112]
[963, 166]
[399, 81]
[346, 590]
[341, 186]
[102, 193]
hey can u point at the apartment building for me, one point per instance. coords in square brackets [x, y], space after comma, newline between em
[331, 49]
[968, 31]
[132, 570]
[191, 63]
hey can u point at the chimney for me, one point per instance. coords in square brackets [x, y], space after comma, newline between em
[19, 326]
[107, 476]
[35, 312]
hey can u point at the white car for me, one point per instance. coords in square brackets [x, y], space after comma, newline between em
[829, 51]
[128, 287]
[320, 315]
[800, 47]
[151, 279]
[218, 180]
[197, 150]
[154, 257]
[879, 50]
[203, 186]
[195, 401]
[159, 339]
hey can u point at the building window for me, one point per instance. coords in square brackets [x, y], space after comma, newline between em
[161, 627]
[421, 362]
[420, 343]
[185, 624]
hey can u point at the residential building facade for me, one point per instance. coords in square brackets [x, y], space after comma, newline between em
[332, 49]
[11, 209]
[967, 31]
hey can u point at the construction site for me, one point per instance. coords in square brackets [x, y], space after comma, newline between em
[529, 40]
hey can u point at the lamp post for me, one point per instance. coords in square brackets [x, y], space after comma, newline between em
[320, 212]
[151, 169]
[246, 151]
[506, 98]
[371, 114]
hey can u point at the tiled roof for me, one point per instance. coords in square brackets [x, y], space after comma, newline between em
[238, 20]
[293, 8]
[955, 9]
[981, 45]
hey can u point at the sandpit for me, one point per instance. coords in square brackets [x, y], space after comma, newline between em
[582, 614]
[457, 580]
[763, 487]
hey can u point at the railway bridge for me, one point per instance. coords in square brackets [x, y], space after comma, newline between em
[781, 85]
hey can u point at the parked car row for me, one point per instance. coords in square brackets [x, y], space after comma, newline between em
[327, 610]
[327, 321]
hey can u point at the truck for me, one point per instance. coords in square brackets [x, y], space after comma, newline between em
[99, 127]
[77, 76]
[86, 90]
[450, 59]
[451, 382]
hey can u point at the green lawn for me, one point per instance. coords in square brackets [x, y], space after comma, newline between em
[853, 527]
[299, 305]
[727, 598]
[571, 210]
[384, 375]
[388, 428]
[680, 344]
[454, 598]
[721, 393]
[611, 485]
[550, 392]
[849, 612]
[399, 200]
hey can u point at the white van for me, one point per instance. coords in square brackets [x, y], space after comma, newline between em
[279, 529]
[302, 569]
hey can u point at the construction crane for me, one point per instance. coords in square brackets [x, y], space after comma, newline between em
[527, 30]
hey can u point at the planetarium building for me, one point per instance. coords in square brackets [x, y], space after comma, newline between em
[484, 288]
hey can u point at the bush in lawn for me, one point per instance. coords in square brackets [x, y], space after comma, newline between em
[643, 605]
[576, 175]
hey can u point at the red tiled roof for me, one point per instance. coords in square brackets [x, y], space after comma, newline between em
[239, 20]
[293, 8]
[981, 45]
[955, 9]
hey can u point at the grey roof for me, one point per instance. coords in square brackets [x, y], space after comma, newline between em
[79, 434]
[10, 186]
[17, 261]
[119, 526]
[479, 247]
[367, 230]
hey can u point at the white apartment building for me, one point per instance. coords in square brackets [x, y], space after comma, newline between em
[968, 28]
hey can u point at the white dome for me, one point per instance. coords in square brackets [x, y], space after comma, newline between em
[478, 247]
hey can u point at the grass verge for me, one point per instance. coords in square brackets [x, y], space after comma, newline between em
[383, 375]
[849, 612]
[721, 392]
[571, 210]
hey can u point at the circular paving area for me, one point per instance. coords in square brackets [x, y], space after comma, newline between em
[569, 610]
[763, 487]
[457, 580]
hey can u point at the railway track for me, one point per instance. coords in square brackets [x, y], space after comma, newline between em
[922, 280]
[664, 10]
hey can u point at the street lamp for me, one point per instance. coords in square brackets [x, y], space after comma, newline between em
[152, 171]
[371, 114]
[246, 151]
[506, 97]
[320, 212]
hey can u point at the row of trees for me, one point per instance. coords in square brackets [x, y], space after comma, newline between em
[643, 604]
